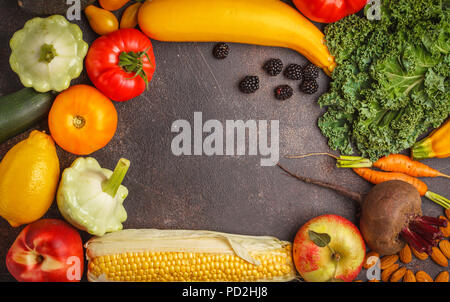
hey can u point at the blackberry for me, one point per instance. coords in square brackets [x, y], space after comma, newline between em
[249, 84]
[221, 51]
[273, 67]
[309, 86]
[294, 72]
[283, 92]
[310, 71]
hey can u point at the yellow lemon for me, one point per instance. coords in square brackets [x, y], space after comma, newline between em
[29, 175]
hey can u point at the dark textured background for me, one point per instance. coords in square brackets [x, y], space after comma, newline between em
[220, 193]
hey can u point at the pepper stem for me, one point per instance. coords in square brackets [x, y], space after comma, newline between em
[111, 185]
[48, 53]
[422, 149]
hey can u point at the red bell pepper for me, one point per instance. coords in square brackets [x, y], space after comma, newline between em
[328, 11]
[121, 64]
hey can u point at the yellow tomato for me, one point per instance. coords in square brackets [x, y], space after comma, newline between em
[113, 4]
[82, 120]
[130, 16]
[102, 21]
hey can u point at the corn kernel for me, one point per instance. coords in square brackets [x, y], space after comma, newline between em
[189, 266]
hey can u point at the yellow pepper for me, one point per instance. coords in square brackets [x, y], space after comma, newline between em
[437, 144]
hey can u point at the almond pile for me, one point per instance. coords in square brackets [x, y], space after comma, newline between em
[393, 272]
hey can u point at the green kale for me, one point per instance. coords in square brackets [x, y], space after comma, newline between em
[391, 83]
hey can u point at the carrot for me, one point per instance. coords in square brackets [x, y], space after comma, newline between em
[404, 164]
[392, 163]
[376, 177]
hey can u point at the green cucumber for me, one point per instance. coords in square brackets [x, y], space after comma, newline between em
[21, 110]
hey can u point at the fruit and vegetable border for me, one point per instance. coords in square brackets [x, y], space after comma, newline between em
[388, 63]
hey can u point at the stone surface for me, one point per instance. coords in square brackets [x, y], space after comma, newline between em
[220, 193]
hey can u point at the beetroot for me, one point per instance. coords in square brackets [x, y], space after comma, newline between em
[387, 209]
[391, 215]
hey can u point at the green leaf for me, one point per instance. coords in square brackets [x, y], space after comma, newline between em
[395, 80]
[319, 239]
[391, 83]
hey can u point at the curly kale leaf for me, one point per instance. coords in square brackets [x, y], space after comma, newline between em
[391, 83]
[344, 43]
[336, 126]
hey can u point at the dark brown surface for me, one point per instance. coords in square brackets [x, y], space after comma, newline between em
[220, 193]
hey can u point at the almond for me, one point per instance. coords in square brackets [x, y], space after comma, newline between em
[405, 254]
[409, 276]
[386, 274]
[444, 245]
[447, 213]
[387, 261]
[419, 255]
[371, 259]
[421, 276]
[438, 257]
[442, 277]
[445, 231]
[398, 274]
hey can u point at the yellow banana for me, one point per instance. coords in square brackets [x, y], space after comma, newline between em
[260, 22]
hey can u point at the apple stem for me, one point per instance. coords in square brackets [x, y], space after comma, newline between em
[337, 256]
[341, 190]
[331, 250]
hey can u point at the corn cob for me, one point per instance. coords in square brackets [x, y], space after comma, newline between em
[182, 255]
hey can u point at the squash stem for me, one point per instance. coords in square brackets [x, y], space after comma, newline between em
[48, 53]
[111, 185]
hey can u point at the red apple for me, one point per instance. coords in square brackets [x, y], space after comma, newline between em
[48, 250]
[329, 248]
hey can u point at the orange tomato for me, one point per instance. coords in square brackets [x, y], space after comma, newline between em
[130, 16]
[82, 120]
[101, 21]
[113, 4]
